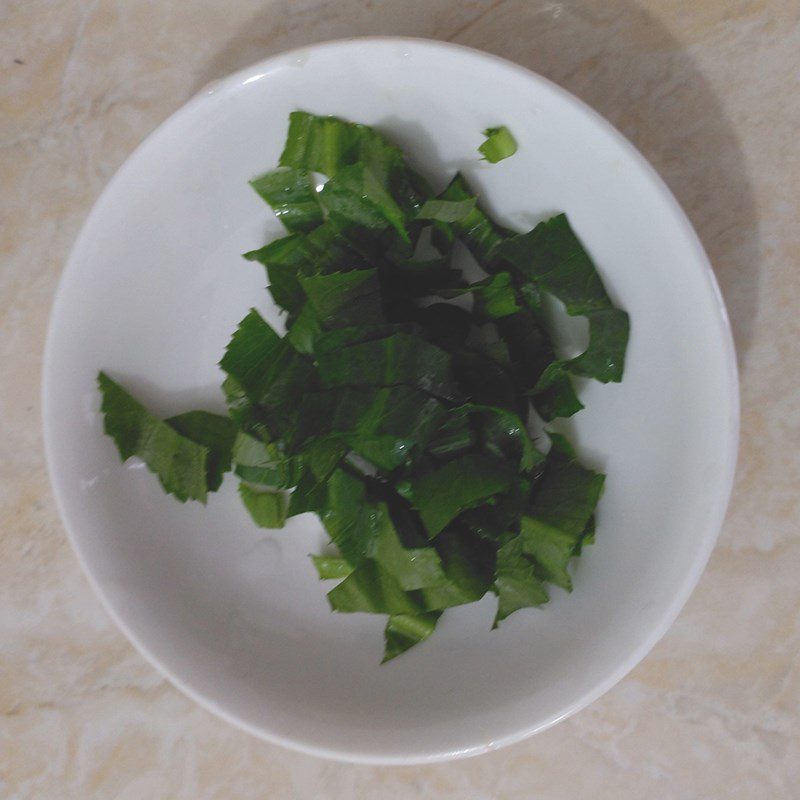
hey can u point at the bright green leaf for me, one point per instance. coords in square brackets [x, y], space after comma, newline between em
[179, 463]
[499, 144]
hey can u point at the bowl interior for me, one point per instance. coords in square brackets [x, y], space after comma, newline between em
[236, 615]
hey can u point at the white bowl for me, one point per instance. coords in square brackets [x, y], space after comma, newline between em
[235, 616]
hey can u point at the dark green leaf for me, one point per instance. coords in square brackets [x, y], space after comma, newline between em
[552, 256]
[516, 582]
[214, 432]
[323, 456]
[285, 259]
[293, 197]
[568, 493]
[551, 548]
[329, 144]
[442, 494]
[304, 330]
[370, 588]
[334, 340]
[447, 326]
[352, 520]
[272, 373]
[267, 508]
[394, 360]
[241, 409]
[482, 236]
[310, 494]
[344, 299]
[412, 567]
[403, 631]
[180, 464]
[420, 277]
[528, 345]
[496, 297]
[554, 395]
[385, 425]
[357, 197]
[469, 564]
[587, 536]
[396, 407]
[505, 435]
[455, 436]
[604, 359]
[255, 355]
[482, 380]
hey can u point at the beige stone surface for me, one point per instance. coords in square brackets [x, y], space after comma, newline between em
[710, 92]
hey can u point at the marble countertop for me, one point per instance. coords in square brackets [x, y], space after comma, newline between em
[709, 92]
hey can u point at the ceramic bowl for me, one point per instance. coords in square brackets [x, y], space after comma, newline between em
[234, 615]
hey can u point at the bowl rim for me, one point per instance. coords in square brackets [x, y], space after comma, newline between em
[711, 532]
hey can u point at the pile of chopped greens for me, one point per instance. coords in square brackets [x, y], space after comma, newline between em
[399, 404]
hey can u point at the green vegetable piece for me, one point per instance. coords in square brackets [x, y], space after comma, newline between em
[483, 381]
[257, 462]
[442, 494]
[504, 435]
[529, 347]
[293, 197]
[323, 456]
[499, 144]
[447, 210]
[267, 508]
[604, 358]
[586, 537]
[385, 425]
[214, 432]
[420, 277]
[391, 361]
[330, 251]
[497, 297]
[552, 256]
[285, 259]
[516, 583]
[343, 299]
[568, 492]
[271, 372]
[331, 567]
[334, 340]
[469, 564]
[403, 631]
[351, 519]
[310, 494]
[255, 355]
[412, 567]
[551, 548]
[356, 197]
[322, 250]
[370, 588]
[446, 326]
[179, 463]
[329, 144]
[241, 409]
[554, 395]
[396, 407]
[482, 236]
[304, 330]
[318, 144]
[454, 436]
